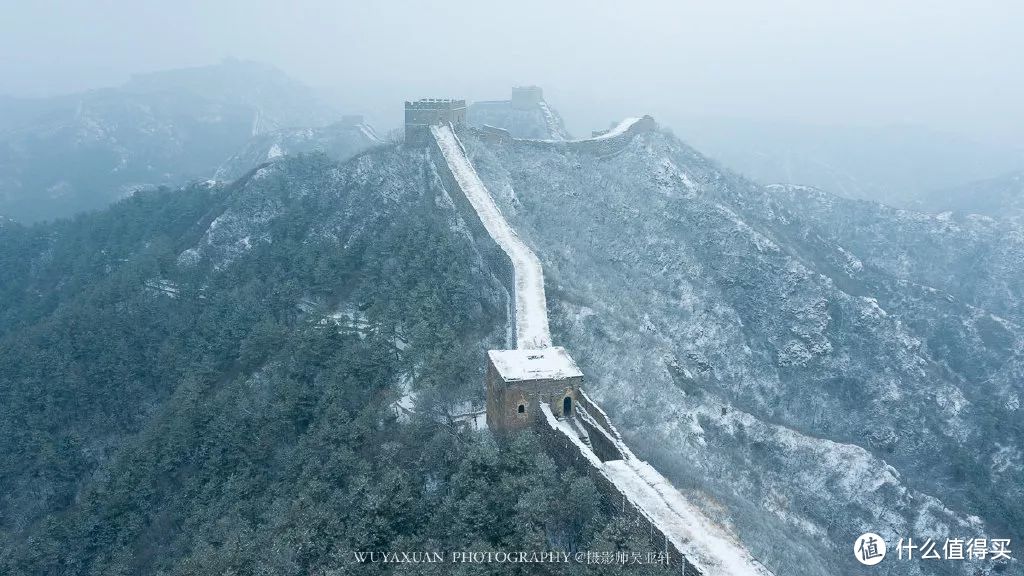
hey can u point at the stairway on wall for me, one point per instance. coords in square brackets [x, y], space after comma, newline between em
[581, 432]
[703, 542]
[555, 128]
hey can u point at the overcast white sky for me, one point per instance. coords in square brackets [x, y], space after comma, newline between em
[956, 66]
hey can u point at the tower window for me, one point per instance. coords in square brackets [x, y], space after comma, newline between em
[521, 409]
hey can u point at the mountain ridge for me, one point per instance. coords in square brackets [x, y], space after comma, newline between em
[684, 228]
[998, 197]
[65, 154]
[218, 405]
[806, 367]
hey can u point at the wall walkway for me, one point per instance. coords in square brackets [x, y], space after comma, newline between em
[531, 312]
[587, 440]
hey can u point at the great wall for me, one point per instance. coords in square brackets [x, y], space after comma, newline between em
[538, 386]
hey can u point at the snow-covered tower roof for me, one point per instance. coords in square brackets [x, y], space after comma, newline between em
[552, 363]
[519, 381]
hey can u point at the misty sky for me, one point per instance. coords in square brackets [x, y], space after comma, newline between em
[953, 66]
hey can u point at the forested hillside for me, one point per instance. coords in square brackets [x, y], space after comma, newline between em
[201, 382]
[807, 366]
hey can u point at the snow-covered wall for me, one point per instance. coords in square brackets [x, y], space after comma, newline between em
[526, 280]
[604, 143]
[531, 313]
[696, 545]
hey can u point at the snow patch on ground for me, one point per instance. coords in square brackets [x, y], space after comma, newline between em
[852, 264]
[162, 286]
[1006, 458]
[405, 406]
[846, 471]
[872, 309]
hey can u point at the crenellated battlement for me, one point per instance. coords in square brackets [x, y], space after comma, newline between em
[435, 104]
[526, 97]
[421, 114]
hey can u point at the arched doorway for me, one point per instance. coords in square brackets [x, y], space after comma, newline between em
[567, 406]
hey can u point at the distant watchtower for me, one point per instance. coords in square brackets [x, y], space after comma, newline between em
[526, 97]
[422, 114]
[519, 380]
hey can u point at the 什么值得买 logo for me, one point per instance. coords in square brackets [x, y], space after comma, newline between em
[869, 548]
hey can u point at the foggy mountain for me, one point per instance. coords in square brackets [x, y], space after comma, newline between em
[62, 155]
[203, 380]
[899, 165]
[338, 141]
[817, 366]
[999, 197]
[472, 288]
[525, 115]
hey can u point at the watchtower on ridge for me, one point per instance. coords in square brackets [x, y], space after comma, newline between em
[519, 380]
[421, 114]
[526, 97]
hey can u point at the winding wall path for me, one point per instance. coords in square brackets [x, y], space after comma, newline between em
[531, 312]
[698, 545]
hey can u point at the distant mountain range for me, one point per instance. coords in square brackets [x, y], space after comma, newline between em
[535, 120]
[899, 165]
[805, 367]
[339, 141]
[999, 197]
[62, 155]
[203, 379]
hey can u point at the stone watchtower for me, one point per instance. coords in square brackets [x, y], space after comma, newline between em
[526, 97]
[519, 380]
[422, 114]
